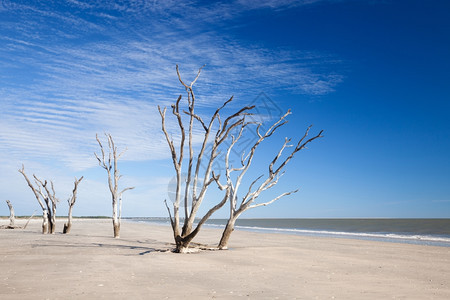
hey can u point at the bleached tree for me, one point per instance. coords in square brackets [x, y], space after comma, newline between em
[199, 166]
[71, 201]
[235, 175]
[45, 215]
[48, 195]
[109, 163]
[12, 217]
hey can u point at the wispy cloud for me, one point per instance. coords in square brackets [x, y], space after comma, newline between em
[69, 75]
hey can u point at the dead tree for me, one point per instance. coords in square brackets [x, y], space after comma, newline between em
[110, 165]
[50, 201]
[234, 176]
[46, 212]
[12, 217]
[71, 202]
[199, 172]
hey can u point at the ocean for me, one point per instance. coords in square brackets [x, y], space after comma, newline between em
[433, 232]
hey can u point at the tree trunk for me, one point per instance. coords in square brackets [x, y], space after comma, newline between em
[52, 222]
[116, 226]
[187, 228]
[53, 227]
[45, 222]
[182, 245]
[12, 218]
[115, 219]
[181, 249]
[229, 228]
[54, 218]
[68, 225]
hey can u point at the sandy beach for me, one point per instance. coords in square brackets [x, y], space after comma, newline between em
[90, 264]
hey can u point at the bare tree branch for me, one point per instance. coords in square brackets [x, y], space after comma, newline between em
[193, 82]
[273, 200]
[170, 215]
[36, 193]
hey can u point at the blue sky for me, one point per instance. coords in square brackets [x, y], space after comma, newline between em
[373, 74]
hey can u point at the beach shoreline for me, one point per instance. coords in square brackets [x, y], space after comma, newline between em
[432, 232]
[89, 263]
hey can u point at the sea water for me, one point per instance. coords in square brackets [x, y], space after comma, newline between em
[433, 232]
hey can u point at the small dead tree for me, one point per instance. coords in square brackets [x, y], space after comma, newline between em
[198, 179]
[71, 202]
[12, 217]
[50, 200]
[234, 181]
[109, 163]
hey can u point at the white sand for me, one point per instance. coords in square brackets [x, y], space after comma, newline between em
[90, 264]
